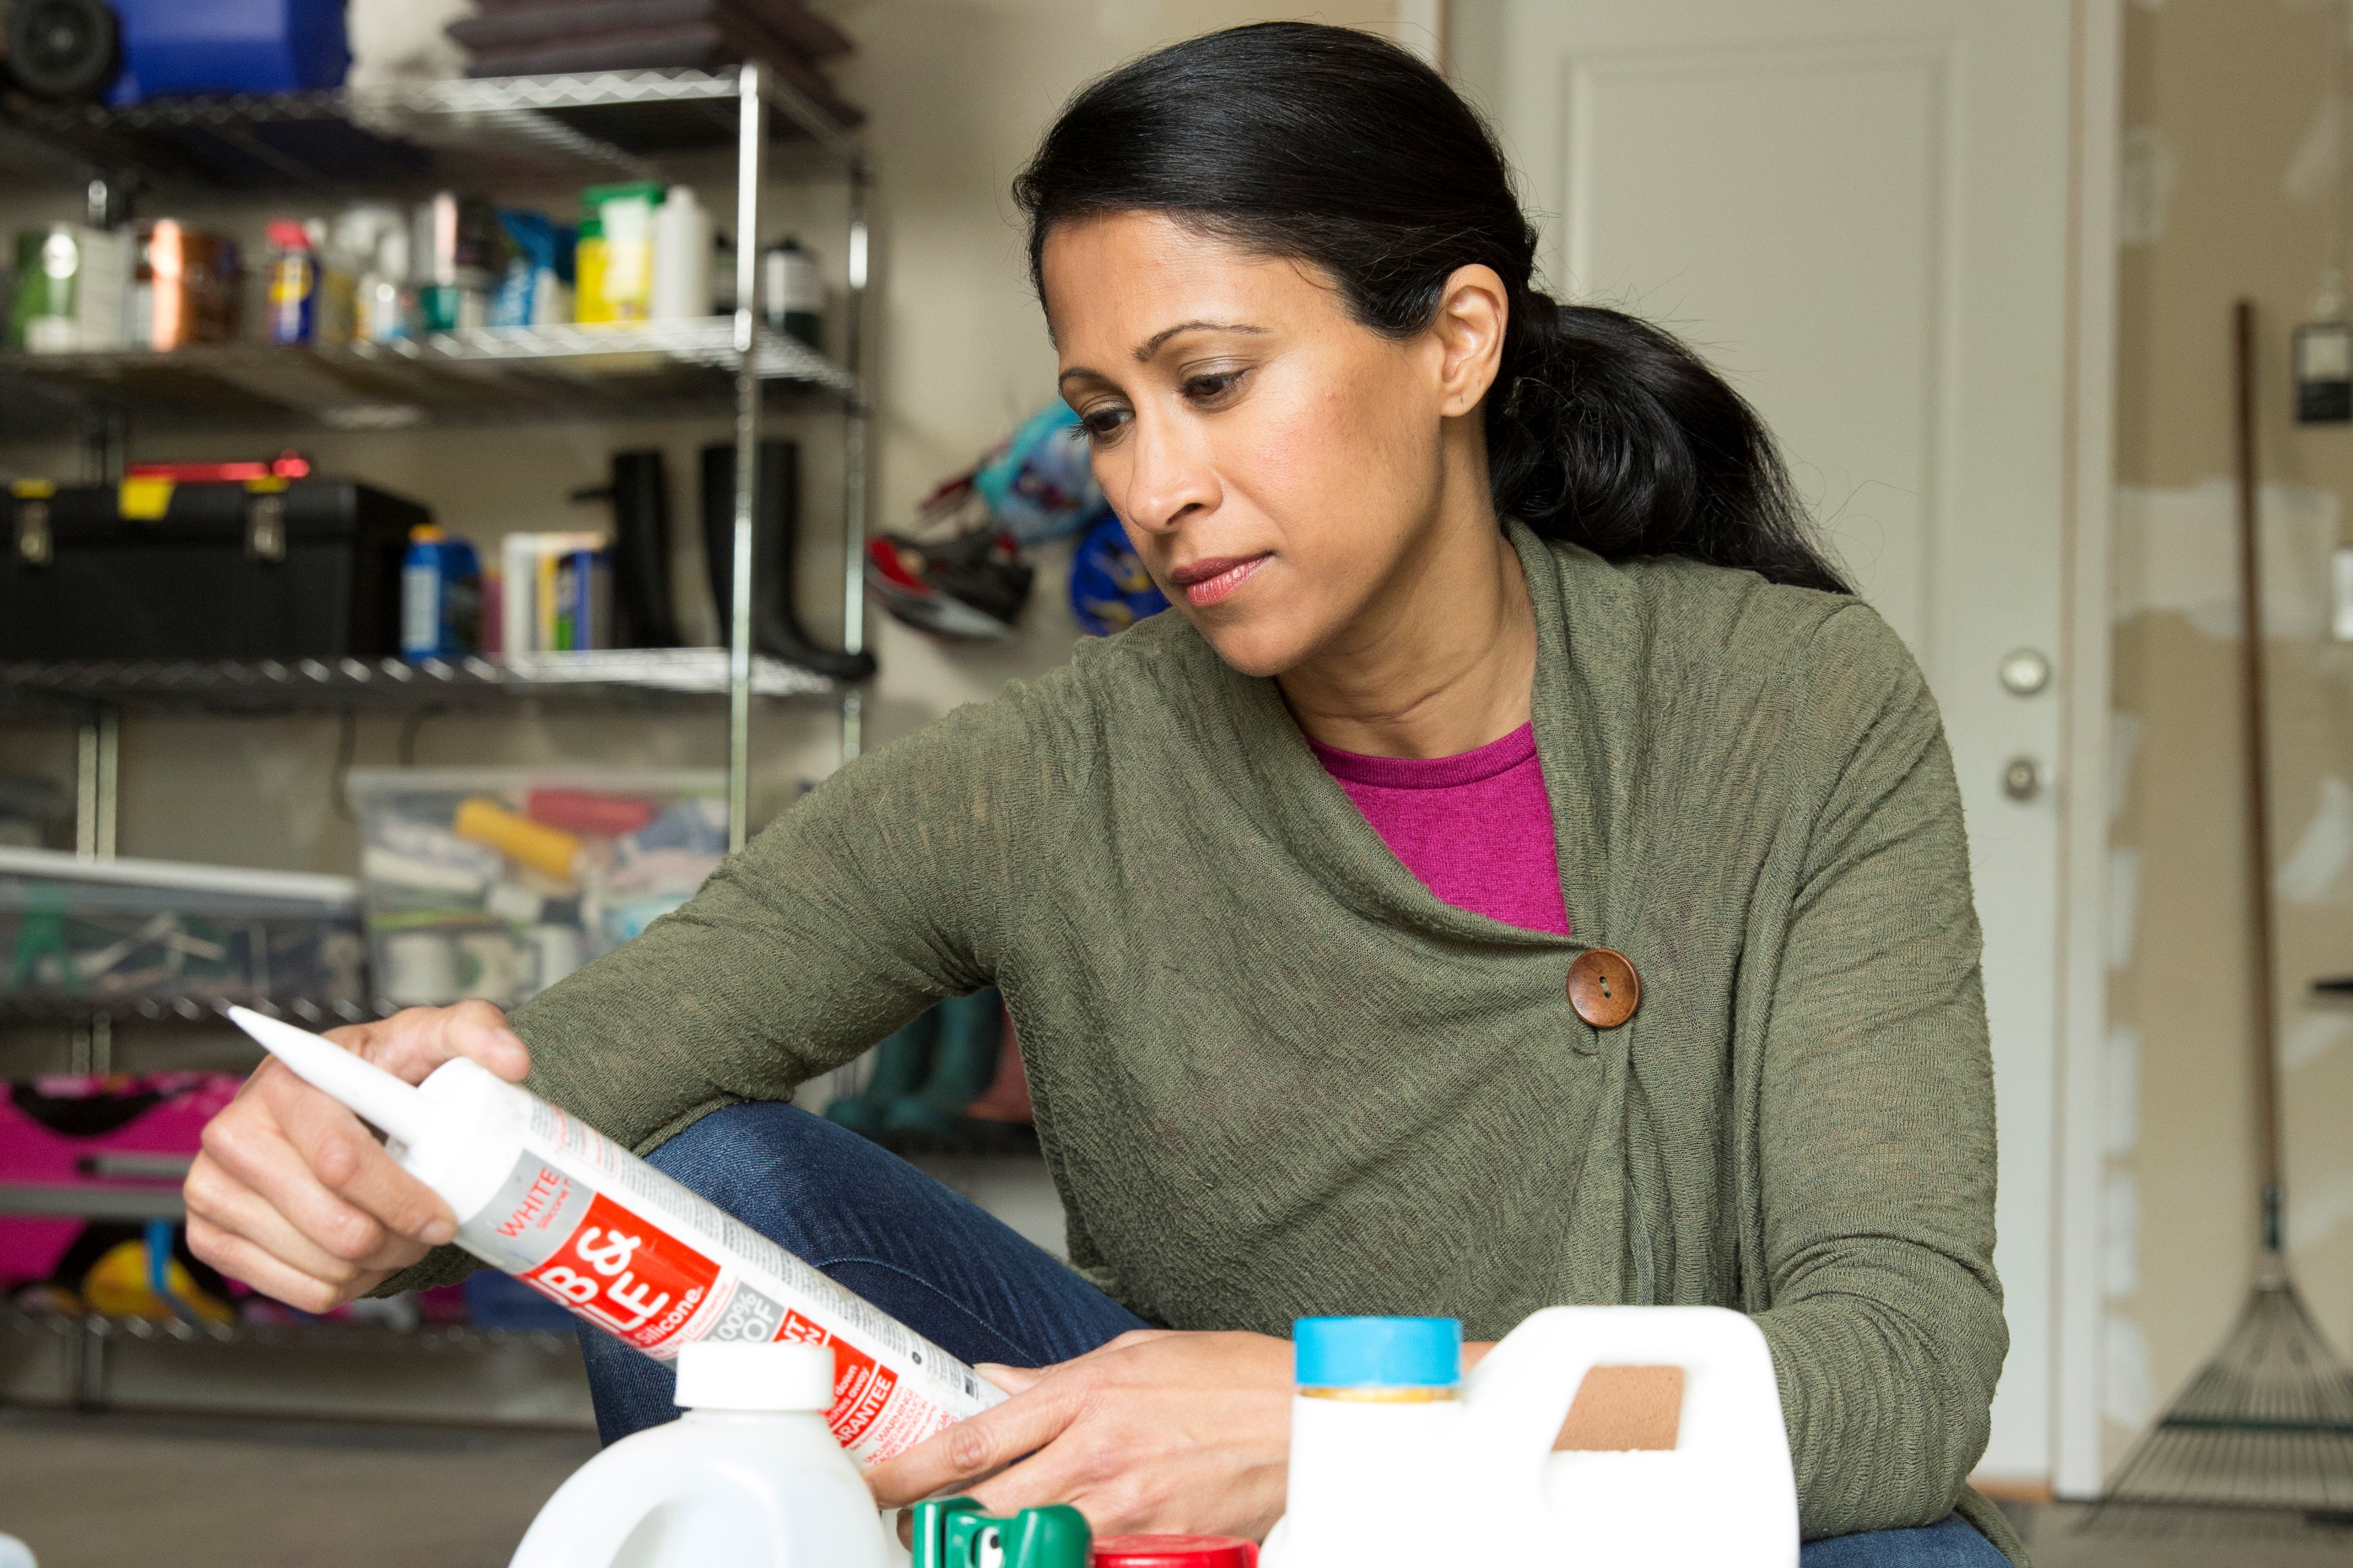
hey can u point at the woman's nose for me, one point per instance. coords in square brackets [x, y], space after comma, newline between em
[1168, 476]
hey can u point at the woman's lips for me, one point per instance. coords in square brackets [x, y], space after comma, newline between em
[1206, 583]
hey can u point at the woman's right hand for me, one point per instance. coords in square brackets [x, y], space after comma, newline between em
[294, 1195]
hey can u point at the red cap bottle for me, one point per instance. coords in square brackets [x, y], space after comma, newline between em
[1172, 1551]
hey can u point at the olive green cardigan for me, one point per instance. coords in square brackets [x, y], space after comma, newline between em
[1275, 1076]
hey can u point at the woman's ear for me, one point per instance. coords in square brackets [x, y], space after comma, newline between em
[1472, 313]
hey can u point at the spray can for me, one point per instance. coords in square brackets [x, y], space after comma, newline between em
[293, 289]
[548, 1198]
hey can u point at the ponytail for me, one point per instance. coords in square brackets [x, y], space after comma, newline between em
[1336, 148]
[1606, 432]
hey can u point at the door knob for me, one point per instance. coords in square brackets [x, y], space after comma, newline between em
[2024, 672]
[2023, 779]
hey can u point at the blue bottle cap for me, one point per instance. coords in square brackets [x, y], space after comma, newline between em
[1377, 1353]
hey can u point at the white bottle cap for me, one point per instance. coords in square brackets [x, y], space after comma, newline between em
[754, 1377]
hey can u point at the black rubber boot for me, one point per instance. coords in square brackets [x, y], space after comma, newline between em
[775, 541]
[639, 493]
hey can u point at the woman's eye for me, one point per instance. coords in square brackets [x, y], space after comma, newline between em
[1211, 386]
[1102, 423]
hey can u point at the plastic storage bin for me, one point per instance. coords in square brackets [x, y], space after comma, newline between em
[228, 46]
[498, 883]
[162, 936]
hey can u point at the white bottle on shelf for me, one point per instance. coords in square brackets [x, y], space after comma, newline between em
[681, 258]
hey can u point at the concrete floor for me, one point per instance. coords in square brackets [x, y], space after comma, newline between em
[2056, 1538]
[102, 1491]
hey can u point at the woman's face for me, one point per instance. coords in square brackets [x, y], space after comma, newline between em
[1275, 462]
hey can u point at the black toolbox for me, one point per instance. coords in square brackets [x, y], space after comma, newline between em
[267, 568]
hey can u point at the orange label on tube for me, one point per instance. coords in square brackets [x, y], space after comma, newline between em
[636, 1280]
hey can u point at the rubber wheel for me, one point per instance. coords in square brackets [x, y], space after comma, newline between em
[67, 50]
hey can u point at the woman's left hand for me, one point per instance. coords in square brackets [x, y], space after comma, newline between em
[1158, 1431]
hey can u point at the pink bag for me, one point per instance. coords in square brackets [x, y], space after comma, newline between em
[92, 1131]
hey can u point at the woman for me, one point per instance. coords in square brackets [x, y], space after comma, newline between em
[1499, 640]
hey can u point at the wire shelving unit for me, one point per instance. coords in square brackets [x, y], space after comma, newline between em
[476, 135]
[604, 124]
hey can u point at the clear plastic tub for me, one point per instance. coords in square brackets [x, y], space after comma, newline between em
[497, 883]
[159, 936]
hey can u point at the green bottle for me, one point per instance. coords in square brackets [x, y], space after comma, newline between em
[951, 1532]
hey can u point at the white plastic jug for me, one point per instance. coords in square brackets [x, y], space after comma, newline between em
[1407, 1476]
[748, 1477]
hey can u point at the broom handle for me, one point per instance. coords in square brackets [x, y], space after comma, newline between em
[2259, 785]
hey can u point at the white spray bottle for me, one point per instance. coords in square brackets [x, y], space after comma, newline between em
[550, 1199]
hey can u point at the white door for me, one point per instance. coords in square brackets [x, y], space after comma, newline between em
[1858, 209]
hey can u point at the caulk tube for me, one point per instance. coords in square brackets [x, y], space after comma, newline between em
[548, 1198]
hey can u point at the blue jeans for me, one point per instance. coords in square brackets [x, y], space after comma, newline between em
[966, 1282]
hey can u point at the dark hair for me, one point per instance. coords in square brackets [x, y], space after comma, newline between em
[1336, 148]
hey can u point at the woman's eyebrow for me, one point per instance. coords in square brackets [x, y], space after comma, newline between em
[1150, 345]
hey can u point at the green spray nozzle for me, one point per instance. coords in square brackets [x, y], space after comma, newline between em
[951, 1532]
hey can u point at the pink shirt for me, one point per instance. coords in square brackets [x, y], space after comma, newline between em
[1476, 828]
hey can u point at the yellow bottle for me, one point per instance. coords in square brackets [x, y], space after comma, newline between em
[624, 218]
[588, 303]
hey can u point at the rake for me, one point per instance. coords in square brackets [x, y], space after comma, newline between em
[2267, 1423]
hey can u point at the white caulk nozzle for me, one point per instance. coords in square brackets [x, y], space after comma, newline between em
[373, 1093]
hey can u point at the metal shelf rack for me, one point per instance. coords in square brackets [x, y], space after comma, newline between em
[423, 1340]
[476, 135]
[600, 125]
[482, 375]
[603, 676]
[311, 1012]
[88, 1340]
[597, 126]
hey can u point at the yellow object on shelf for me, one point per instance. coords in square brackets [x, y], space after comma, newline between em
[613, 257]
[143, 500]
[588, 304]
[117, 1287]
[519, 838]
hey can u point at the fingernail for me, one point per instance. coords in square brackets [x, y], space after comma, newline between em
[438, 1231]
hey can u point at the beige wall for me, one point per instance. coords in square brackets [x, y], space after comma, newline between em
[958, 91]
[2234, 167]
